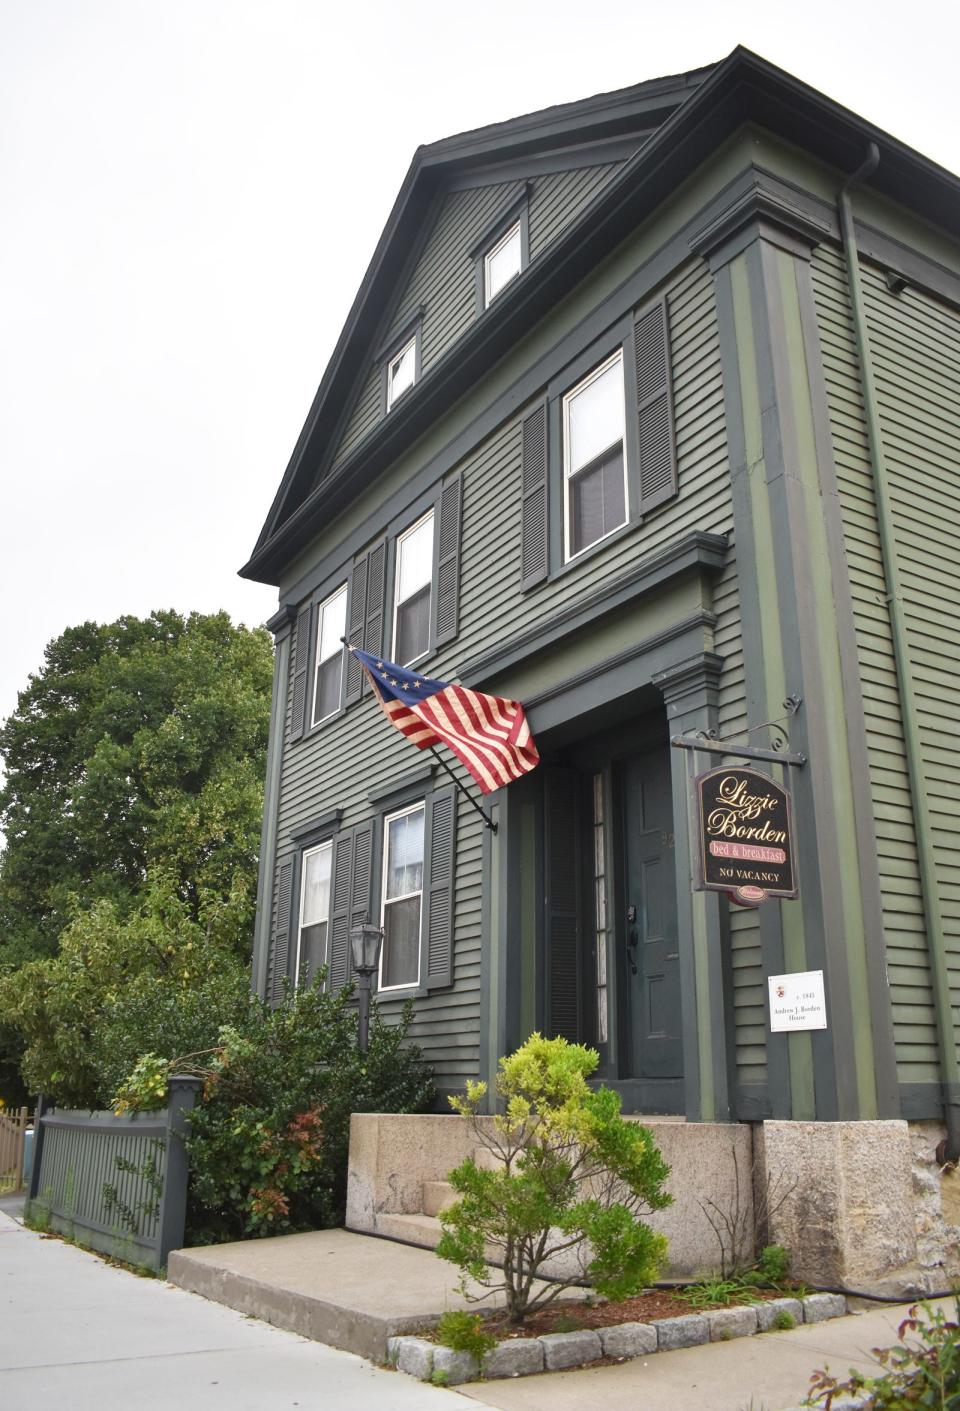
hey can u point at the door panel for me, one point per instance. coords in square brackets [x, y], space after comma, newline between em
[651, 953]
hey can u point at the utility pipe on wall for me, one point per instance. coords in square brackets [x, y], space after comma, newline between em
[933, 916]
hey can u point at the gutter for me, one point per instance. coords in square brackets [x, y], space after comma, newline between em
[948, 1151]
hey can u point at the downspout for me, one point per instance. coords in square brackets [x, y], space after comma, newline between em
[948, 1151]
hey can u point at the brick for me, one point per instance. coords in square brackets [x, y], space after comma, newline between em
[516, 1358]
[768, 1310]
[817, 1307]
[628, 1340]
[570, 1349]
[731, 1323]
[689, 1330]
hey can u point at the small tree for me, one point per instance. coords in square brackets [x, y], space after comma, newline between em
[572, 1177]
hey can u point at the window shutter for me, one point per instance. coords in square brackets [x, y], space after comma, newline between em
[339, 957]
[278, 964]
[441, 831]
[376, 576]
[355, 625]
[562, 871]
[361, 885]
[300, 702]
[534, 497]
[447, 598]
[658, 450]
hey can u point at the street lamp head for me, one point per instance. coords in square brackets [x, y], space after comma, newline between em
[365, 944]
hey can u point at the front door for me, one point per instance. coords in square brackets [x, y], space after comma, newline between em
[650, 956]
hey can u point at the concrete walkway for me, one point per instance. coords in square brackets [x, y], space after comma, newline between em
[76, 1333]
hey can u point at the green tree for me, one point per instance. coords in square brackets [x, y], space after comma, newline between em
[134, 776]
[570, 1181]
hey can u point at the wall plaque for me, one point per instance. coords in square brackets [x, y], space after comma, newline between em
[797, 1002]
[744, 835]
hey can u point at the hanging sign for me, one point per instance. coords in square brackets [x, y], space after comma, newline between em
[744, 835]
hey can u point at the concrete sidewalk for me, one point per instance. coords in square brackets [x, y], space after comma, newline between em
[76, 1333]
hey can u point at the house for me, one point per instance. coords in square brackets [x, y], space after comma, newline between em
[646, 415]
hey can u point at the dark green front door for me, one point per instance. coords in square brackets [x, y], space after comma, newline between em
[650, 957]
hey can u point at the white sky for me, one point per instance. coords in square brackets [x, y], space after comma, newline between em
[190, 191]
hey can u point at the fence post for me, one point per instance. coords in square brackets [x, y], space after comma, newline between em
[23, 1146]
[43, 1107]
[182, 1090]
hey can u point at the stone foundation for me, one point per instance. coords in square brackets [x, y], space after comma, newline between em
[861, 1206]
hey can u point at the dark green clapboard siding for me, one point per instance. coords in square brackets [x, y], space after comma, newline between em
[443, 281]
[358, 752]
[907, 962]
[916, 345]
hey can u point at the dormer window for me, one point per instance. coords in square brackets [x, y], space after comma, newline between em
[502, 263]
[402, 371]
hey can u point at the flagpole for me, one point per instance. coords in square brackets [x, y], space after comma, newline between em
[464, 791]
[488, 821]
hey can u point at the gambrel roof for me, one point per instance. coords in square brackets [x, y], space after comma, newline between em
[659, 131]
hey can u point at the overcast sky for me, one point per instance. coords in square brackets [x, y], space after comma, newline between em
[191, 191]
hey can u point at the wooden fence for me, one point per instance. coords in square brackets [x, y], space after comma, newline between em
[13, 1127]
[118, 1184]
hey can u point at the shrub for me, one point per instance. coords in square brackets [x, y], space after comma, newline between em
[784, 1321]
[922, 1373]
[774, 1263]
[573, 1178]
[464, 1332]
[268, 1139]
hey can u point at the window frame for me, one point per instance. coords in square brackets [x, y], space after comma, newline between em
[619, 339]
[512, 230]
[594, 375]
[315, 662]
[516, 213]
[305, 853]
[431, 513]
[402, 811]
[412, 344]
[407, 333]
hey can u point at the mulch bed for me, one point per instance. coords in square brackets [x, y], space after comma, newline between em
[574, 1314]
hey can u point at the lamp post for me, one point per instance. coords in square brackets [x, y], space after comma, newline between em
[365, 942]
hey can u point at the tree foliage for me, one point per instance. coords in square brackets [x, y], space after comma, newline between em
[132, 807]
[570, 1181]
[140, 747]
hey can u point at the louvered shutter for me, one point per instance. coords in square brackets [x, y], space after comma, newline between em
[658, 451]
[278, 964]
[562, 871]
[300, 692]
[448, 563]
[361, 886]
[373, 623]
[441, 833]
[534, 498]
[340, 910]
[355, 625]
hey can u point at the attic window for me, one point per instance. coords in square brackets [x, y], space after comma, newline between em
[502, 263]
[402, 371]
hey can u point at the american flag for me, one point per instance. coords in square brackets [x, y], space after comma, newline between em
[489, 735]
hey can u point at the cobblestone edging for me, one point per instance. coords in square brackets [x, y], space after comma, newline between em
[554, 1352]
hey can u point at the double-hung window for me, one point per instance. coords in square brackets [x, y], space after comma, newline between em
[402, 897]
[314, 911]
[594, 464]
[328, 683]
[413, 592]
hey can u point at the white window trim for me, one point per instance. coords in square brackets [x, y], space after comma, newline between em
[616, 357]
[314, 718]
[418, 807]
[505, 238]
[395, 358]
[396, 587]
[303, 884]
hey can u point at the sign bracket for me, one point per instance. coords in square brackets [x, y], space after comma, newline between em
[709, 742]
